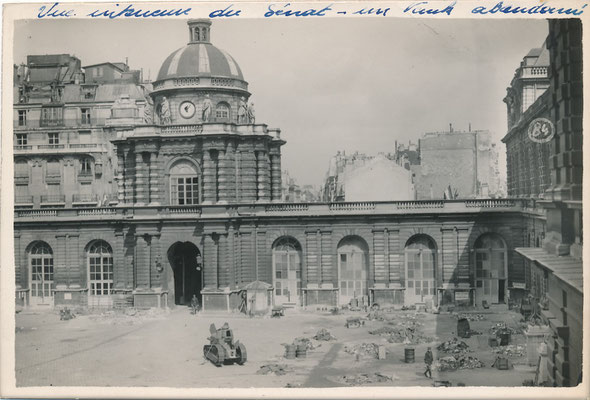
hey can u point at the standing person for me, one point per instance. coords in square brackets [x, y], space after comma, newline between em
[207, 107]
[428, 361]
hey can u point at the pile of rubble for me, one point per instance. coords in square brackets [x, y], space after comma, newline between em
[277, 369]
[129, 316]
[471, 317]
[408, 332]
[364, 379]
[501, 327]
[453, 363]
[370, 350]
[454, 346]
[324, 334]
[512, 350]
[309, 344]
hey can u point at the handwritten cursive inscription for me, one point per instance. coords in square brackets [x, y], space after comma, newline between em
[54, 12]
[539, 9]
[274, 10]
[129, 11]
[423, 7]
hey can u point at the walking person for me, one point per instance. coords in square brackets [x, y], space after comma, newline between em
[428, 361]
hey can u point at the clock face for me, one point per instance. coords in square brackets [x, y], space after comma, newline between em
[187, 109]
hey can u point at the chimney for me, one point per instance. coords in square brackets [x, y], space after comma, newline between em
[470, 127]
[450, 128]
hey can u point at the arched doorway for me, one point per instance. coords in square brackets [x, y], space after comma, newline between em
[420, 257]
[41, 270]
[352, 269]
[185, 276]
[286, 256]
[491, 268]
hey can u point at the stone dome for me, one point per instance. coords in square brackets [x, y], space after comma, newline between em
[199, 58]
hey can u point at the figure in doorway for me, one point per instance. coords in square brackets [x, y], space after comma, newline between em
[428, 361]
[195, 305]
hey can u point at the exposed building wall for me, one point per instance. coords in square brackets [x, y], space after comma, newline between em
[465, 161]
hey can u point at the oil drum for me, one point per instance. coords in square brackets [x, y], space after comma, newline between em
[301, 351]
[409, 355]
[290, 351]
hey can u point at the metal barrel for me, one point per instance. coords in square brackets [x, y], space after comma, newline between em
[301, 351]
[409, 355]
[290, 351]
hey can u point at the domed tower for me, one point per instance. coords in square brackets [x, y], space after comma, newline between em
[199, 142]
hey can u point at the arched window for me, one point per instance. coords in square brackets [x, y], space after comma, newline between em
[222, 112]
[41, 267]
[100, 268]
[420, 254]
[196, 36]
[352, 268]
[490, 269]
[287, 271]
[184, 183]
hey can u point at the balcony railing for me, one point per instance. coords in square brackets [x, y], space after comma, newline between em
[53, 198]
[64, 122]
[85, 198]
[59, 148]
[282, 210]
[23, 199]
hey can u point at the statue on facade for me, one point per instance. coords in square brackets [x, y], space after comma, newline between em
[242, 111]
[251, 114]
[165, 118]
[148, 111]
[207, 108]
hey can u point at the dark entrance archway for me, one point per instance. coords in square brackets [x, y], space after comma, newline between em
[185, 278]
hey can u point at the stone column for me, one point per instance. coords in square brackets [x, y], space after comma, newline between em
[77, 273]
[156, 275]
[121, 176]
[139, 180]
[209, 178]
[226, 175]
[59, 262]
[248, 172]
[275, 174]
[210, 262]
[119, 265]
[263, 178]
[154, 179]
[224, 261]
[128, 176]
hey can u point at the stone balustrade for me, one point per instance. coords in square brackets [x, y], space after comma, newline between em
[258, 209]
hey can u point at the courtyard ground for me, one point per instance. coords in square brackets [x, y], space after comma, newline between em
[165, 349]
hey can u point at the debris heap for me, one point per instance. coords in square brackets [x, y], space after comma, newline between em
[512, 350]
[454, 346]
[471, 317]
[453, 363]
[324, 334]
[369, 350]
[364, 379]
[277, 369]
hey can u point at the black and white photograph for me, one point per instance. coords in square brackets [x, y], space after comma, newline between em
[370, 202]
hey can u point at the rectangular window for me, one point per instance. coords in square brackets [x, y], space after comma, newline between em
[52, 116]
[184, 190]
[22, 117]
[85, 113]
[53, 138]
[21, 139]
[85, 167]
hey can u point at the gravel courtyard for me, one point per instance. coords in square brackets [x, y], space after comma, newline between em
[165, 349]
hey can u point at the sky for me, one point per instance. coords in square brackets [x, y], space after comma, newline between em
[331, 84]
